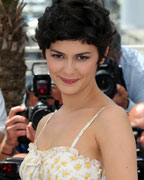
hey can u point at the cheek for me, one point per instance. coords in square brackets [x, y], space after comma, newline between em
[52, 67]
[88, 69]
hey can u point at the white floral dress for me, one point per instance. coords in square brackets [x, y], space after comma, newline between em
[60, 163]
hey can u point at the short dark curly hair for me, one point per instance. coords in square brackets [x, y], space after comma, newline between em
[84, 20]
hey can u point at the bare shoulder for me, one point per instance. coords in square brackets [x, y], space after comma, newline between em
[116, 143]
[113, 115]
[113, 120]
[42, 123]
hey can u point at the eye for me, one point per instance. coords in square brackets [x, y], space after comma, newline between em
[80, 57]
[57, 56]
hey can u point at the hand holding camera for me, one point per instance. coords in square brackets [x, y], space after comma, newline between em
[15, 125]
[121, 96]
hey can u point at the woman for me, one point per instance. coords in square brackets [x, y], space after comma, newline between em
[89, 137]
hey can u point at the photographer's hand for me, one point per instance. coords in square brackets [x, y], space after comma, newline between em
[30, 132]
[121, 97]
[15, 127]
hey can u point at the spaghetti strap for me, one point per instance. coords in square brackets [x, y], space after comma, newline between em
[86, 126]
[43, 128]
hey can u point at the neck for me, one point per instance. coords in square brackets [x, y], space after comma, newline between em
[81, 99]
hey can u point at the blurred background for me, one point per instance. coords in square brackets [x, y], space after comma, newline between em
[19, 50]
[127, 15]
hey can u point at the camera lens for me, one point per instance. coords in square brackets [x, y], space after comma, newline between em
[103, 83]
[106, 83]
[37, 115]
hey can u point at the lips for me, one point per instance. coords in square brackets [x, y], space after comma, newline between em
[68, 81]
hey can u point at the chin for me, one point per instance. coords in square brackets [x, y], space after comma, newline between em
[69, 90]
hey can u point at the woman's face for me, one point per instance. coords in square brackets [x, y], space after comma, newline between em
[72, 65]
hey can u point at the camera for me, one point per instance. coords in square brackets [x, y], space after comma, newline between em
[42, 90]
[9, 169]
[108, 75]
[140, 152]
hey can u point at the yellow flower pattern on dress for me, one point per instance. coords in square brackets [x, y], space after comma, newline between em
[58, 166]
[64, 163]
[73, 158]
[65, 173]
[78, 166]
[60, 163]
[86, 176]
[57, 160]
[88, 165]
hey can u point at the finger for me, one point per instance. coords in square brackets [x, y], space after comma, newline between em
[15, 134]
[30, 132]
[15, 110]
[17, 126]
[20, 155]
[12, 136]
[15, 119]
[21, 133]
[121, 90]
[30, 135]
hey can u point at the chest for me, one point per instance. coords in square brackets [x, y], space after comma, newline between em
[64, 131]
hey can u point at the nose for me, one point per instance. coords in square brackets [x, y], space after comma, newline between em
[69, 67]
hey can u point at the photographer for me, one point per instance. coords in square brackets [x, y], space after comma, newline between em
[136, 116]
[30, 99]
[132, 64]
[16, 126]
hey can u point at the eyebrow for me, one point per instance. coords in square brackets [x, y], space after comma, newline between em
[79, 54]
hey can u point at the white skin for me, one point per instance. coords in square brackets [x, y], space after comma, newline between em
[72, 66]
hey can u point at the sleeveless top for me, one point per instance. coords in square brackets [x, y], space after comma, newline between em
[60, 163]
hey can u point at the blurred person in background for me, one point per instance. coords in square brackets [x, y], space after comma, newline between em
[136, 116]
[17, 125]
[132, 63]
[3, 116]
[30, 99]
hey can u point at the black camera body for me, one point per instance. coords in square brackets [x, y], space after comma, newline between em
[140, 152]
[41, 89]
[34, 114]
[9, 169]
[108, 75]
